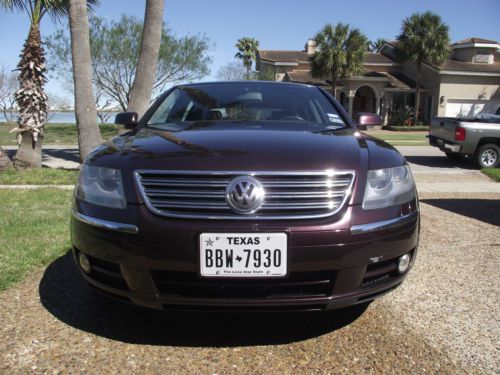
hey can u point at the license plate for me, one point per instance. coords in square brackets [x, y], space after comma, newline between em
[243, 254]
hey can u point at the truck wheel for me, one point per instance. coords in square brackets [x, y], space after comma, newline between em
[488, 156]
[455, 157]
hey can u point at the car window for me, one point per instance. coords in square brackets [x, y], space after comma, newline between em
[234, 102]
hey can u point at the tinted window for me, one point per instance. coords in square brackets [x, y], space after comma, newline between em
[253, 101]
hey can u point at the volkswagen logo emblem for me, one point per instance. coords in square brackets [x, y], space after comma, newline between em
[245, 194]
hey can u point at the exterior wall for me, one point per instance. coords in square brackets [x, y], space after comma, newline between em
[302, 66]
[464, 54]
[469, 54]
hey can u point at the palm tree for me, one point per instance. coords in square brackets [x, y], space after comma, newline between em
[140, 94]
[340, 53]
[376, 45]
[89, 135]
[424, 38]
[247, 51]
[30, 97]
[5, 162]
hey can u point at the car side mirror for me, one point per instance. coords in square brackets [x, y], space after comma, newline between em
[366, 121]
[129, 119]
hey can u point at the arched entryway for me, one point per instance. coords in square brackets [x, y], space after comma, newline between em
[365, 100]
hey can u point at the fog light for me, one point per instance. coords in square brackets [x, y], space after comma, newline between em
[404, 263]
[84, 263]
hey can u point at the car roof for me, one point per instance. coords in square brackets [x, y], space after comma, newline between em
[251, 82]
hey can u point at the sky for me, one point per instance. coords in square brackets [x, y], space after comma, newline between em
[275, 24]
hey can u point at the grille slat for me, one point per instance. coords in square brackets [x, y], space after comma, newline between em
[298, 184]
[296, 284]
[184, 194]
[189, 184]
[297, 205]
[202, 194]
[300, 195]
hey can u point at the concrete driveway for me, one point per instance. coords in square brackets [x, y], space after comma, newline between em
[433, 172]
[442, 320]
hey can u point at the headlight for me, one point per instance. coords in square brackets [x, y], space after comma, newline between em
[101, 186]
[388, 187]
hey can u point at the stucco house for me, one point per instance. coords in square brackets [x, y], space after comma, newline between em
[468, 83]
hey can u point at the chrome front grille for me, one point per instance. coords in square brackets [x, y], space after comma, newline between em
[202, 194]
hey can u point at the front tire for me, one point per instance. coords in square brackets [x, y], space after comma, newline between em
[488, 156]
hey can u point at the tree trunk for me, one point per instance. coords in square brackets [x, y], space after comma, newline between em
[31, 100]
[140, 94]
[417, 94]
[29, 153]
[89, 135]
[5, 162]
[334, 85]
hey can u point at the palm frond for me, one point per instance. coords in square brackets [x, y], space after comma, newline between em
[340, 52]
[58, 9]
[18, 6]
[424, 37]
[36, 9]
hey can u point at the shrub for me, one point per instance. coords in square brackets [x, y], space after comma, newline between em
[400, 115]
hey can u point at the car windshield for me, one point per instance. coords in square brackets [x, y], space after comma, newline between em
[253, 101]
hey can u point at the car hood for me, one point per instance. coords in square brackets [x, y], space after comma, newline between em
[219, 146]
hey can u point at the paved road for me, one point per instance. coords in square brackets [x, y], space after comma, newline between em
[444, 319]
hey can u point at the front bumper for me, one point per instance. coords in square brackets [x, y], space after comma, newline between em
[157, 265]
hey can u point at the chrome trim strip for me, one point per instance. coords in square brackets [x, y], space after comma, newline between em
[105, 224]
[326, 173]
[385, 224]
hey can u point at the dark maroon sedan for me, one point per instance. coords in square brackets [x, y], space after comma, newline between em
[245, 196]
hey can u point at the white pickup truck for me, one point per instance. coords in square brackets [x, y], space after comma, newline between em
[477, 136]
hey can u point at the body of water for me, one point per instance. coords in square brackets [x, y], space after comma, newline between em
[66, 117]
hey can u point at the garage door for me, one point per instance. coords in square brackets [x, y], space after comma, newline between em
[461, 108]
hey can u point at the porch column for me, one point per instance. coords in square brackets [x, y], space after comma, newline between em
[351, 100]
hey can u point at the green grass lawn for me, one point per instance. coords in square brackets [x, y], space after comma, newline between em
[34, 230]
[39, 176]
[493, 173]
[56, 133]
[401, 138]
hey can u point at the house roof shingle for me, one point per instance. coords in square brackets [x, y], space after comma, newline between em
[376, 58]
[304, 76]
[284, 56]
[394, 80]
[475, 40]
[461, 66]
[302, 56]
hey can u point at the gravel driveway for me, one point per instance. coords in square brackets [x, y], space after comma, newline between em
[444, 319]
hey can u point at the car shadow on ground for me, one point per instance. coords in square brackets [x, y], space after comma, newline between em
[485, 210]
[441, 162]
[67, 297]
[64, 154]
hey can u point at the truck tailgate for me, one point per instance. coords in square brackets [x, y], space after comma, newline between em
[443, 128]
